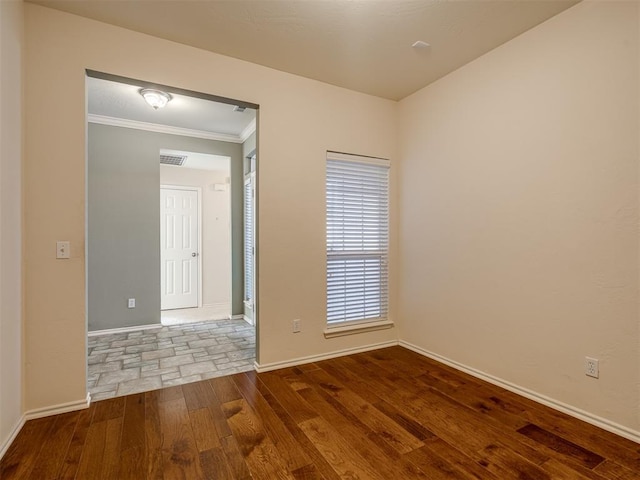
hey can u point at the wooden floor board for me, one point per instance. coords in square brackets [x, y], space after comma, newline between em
[58, 440]
[179, 452]
[23, 455]
[73, 454]
[364, 442]
[293, 455]
[153, 436]
[259, 451]
[386, 414]
[378, 422]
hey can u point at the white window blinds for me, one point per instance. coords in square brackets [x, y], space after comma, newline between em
[248, 239]
[357, 190]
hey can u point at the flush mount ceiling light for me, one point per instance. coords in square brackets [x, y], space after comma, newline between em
[156, 98]
[420, 45]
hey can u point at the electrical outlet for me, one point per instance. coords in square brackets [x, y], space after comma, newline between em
[296, 325]
[591, 367]
[131, 303]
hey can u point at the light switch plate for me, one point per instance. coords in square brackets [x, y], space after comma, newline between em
[63, 249]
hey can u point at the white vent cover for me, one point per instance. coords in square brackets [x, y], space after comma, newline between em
[172, 159]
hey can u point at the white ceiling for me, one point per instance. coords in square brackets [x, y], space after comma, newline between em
[363, 45]
[122, 101]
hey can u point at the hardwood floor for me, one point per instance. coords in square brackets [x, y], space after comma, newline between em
[387, 414]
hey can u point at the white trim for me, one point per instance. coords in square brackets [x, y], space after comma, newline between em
[12, 436]
[267, 367]
[58, 409]
[248, 320]
[249, 129]
[356, 327]
[224, 306]
[220, 310]
[236, 317]
[123, 329]
[596, 420]
[349, 157]
[154, 127]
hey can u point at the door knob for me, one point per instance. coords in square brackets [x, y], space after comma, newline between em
[194, 254]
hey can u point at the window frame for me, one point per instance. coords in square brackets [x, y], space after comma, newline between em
[375, 231]
[248, 246]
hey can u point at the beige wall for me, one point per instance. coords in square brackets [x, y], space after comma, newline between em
[216, 230]
[11, 40]
[519, 211]
[299, 120]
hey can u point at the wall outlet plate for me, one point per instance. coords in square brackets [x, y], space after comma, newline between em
[131, 303]
[591, 367]
[296, 325]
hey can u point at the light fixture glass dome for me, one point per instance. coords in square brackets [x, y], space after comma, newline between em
[156, 98]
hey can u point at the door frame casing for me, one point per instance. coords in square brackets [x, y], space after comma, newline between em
[198, 191]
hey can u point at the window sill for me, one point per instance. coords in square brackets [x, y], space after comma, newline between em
[352, 329]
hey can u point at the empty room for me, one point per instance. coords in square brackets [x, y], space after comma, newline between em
[443, 256]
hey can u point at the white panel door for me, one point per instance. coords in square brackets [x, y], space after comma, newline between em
[179, 248]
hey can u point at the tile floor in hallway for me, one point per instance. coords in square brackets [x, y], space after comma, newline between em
[124, 363]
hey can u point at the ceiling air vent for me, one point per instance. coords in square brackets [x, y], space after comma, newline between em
[172, 159]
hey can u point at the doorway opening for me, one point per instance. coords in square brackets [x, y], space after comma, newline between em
[195, 237]
[166, 273]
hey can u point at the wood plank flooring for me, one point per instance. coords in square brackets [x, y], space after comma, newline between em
[386, 414]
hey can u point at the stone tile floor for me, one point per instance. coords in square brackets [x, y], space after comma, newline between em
[124, 363]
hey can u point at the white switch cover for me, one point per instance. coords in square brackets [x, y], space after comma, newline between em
[131, 303]
[63, 249]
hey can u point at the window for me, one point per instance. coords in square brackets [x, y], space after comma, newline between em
[248, 238]
[357, 190]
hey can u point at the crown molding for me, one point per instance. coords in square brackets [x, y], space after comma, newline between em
[154, 127]
[246, 133]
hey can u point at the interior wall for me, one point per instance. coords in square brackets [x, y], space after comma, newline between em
[216, 231]
[11, 44]
[237, 233]
[248, 146]
[123, 227]
[123, 181]
[291, 236]
[519, 212]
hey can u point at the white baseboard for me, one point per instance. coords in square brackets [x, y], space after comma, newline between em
[4, 446]
[220, 308]
[241, 317]
[124, 329]
[267, 367]
[58, 409]
[603, 423]
[39, 413]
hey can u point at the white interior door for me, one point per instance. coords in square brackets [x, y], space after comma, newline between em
[179, 248]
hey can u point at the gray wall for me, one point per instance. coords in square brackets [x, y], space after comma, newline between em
[123, 242]
[248, 147]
